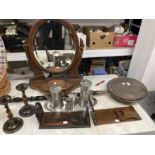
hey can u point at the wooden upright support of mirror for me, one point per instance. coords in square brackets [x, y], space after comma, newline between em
[54, 52]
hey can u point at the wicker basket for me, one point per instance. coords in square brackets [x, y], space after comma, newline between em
[5, 86]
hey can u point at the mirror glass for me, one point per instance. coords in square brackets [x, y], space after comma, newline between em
[53, 46]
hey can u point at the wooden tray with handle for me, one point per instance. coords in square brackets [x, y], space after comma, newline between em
[114, 115]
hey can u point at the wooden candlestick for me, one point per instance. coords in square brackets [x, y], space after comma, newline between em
[13, 124]
[28, 109]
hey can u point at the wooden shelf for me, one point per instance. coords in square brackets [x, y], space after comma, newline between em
[88, 53]
[107, 52]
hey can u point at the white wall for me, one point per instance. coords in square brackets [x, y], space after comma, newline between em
[143, 61]
[149, 75]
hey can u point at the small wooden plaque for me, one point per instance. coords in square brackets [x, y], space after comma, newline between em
[114, 115]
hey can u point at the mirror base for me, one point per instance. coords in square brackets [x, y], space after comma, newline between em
[43, 85]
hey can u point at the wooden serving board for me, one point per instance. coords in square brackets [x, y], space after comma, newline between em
[114, 115]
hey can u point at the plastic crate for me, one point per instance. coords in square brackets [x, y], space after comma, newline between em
[99, 71]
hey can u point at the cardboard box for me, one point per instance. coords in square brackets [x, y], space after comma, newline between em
[97, 39]
[125, 41]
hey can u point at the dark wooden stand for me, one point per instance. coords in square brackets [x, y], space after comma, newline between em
[51, 120]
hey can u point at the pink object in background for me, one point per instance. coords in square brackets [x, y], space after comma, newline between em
[125, 41]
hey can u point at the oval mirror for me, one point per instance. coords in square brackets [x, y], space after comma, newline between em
[54, 46]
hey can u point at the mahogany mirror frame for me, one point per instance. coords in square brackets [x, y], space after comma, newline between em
[71, 71]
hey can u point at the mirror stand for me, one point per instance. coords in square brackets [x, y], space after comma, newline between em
[54, 52]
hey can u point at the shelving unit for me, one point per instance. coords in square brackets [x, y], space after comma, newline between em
[108, 52]
[96, 53]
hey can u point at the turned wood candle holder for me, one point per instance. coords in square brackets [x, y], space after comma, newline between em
[13, 124]
[28, 109]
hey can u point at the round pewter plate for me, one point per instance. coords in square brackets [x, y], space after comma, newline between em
[125, 101]
[127, 89]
